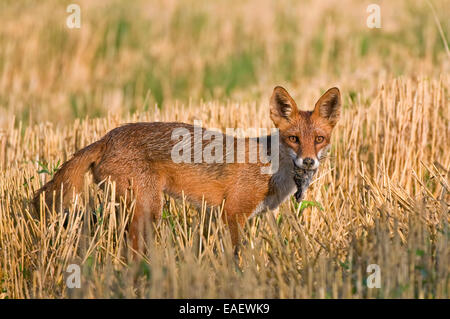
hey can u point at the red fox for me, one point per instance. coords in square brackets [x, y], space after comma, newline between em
[139, 157]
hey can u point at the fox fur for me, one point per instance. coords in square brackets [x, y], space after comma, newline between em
[137, 157]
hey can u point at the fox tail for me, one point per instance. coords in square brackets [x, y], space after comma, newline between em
[70, 176]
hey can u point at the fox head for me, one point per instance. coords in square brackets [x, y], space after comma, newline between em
[306, 134]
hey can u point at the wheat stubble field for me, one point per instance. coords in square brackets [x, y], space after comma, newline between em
[381, 197]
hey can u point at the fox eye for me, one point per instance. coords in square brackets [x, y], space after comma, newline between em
[293, 139]
[319, 139]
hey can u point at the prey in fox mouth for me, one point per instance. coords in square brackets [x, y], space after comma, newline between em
[302, 178]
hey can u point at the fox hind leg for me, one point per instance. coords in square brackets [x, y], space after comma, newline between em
[147, 212]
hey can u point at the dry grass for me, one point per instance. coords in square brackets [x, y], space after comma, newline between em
[380, 198]
[128, 56]
[383, 192]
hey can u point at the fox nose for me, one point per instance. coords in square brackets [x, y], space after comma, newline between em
[308, 162]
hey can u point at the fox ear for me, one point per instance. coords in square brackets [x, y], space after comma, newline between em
[329, 106]
[282, 106]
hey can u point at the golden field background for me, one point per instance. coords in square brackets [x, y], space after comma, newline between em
[380, 198]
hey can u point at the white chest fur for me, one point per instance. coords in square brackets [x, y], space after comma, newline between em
[282, 183]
